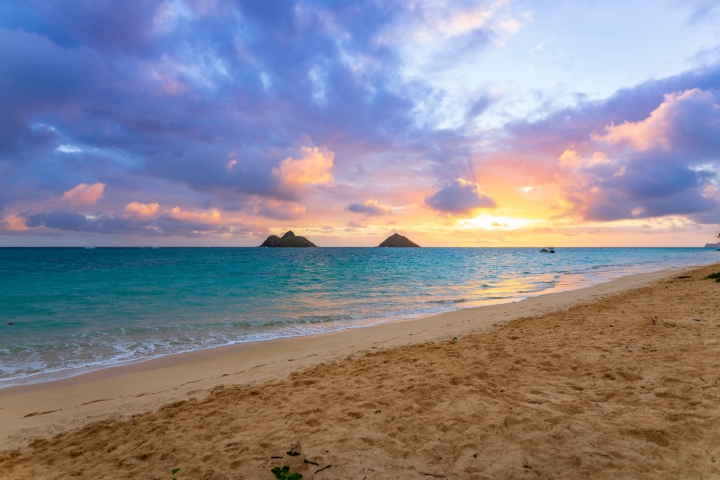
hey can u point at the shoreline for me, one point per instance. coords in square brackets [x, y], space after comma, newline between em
[47, 408]
[67, 374]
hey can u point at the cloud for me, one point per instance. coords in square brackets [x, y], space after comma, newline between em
[176, 223]
[640, 189]
[681, 118]
[176, 213]
[353, 225]
[663, 165]
[460, 197]
[39, 76]
[59, 219]
[453, 23]
[555, 131]
[209, 97]
[370, 208]
[433, 22]
[88, 22]
[571, 158]
[85, 194]
[700, 10]
[135, 209]
[13, 222]
[258, 108]
[648, 151]
[280, 210]
[479, 106]
[311, 167]
[267, 108]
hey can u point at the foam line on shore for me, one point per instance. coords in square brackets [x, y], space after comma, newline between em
[48, 408]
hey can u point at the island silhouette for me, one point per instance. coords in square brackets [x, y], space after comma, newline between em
[397, 240]
[287, 240]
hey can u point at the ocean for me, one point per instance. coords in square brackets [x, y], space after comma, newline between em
[65, 311]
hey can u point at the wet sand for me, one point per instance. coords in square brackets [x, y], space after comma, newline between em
[619, 380]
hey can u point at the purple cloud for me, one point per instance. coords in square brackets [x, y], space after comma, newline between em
[643, 189]
[370, 208]
[460, 197]
[200, 106]
[165, 225]
[646, 152]
[158, 94]
[665, 164]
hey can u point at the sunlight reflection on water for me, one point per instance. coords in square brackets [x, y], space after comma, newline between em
[74, 309]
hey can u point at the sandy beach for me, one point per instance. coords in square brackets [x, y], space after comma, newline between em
[619, 380]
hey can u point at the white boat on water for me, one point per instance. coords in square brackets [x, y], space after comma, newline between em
[547, 250]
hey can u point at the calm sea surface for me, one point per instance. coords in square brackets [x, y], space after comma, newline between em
[64, 311]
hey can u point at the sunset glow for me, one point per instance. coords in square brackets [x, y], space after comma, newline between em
[494, 123]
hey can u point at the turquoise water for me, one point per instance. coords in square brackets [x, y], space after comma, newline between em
[76, 310]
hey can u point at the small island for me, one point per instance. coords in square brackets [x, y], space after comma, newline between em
[397, 240]
[287, 240]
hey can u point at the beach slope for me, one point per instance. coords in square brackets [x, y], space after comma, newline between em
[624, 385]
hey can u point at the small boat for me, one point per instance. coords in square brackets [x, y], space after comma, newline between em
[547, 250]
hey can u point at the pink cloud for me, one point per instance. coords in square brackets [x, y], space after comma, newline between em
[571, 158]
[370, 207]
[169, 86]
[84, 194]
[434, 22]
[14, 223]
[212, 216]
[659, 128]
[311, 167]
[140, 210]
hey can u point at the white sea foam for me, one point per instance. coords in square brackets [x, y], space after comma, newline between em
[73, 313]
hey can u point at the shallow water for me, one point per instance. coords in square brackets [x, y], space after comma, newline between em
[73, 310]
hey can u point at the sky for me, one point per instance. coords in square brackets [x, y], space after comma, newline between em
[456, 123]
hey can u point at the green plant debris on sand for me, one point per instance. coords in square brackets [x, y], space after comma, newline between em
[284, 473]
[714, 276]
[174, 471]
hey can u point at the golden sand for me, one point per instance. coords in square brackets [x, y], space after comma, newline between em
[609, 382]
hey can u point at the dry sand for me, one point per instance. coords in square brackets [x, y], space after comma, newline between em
[616, 381]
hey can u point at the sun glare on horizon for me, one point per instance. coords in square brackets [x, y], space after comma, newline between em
[487, 221]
